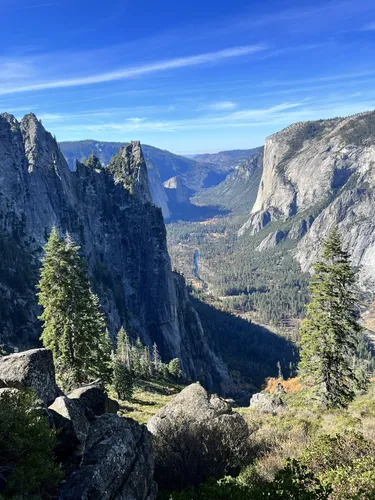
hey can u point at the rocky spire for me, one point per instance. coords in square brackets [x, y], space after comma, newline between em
[41, 148]
[128, 167]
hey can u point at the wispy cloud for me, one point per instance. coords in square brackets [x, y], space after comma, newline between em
[320, 79]
[126, 73]
[11, 71]
[201, 122]
[222, 105]
[369, 27]
[39, 5]
[279, 115]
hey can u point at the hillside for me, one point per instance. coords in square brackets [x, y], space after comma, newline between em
[340, 153]
[237, 193]
[315, 175]
[227, 160]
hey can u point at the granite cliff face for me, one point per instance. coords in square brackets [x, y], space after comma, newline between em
[108, 211]
[319, 175]
[177, 187]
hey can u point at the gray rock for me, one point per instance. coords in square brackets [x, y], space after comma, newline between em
[280, 389]
[271, 241]
[192, 429]
[300, 228]
[264, 402]
[69, 417]
[180, 190]
[93, 399]
[193, 402]
[129, 169]
[112, 406]
[32, 369]
[117, 463]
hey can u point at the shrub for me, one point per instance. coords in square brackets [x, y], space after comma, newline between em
[328, 452]
[356, 481]
[189, 452]
[174, 369]
[27, 465]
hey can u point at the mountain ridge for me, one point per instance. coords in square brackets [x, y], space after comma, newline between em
[122, 236]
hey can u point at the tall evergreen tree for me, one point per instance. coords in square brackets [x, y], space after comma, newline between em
[73, 326]
[174, 368]
[123, 376]
[156, 357]
[330, 332]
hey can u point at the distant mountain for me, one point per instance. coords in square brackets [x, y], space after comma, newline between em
[194, 174]
[226, 160]
[162, 166]
[80, 150]
[238, 192]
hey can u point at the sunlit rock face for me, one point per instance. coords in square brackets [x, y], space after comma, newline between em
[323, 173]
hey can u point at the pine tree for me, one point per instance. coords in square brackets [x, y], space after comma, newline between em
[279, 371]
[330, 332]
[123, 377]
[73, 326]
[146, 362]
[174, 368]
[137, 353]
[155, 357]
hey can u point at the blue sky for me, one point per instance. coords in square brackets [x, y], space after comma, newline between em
[190, 77]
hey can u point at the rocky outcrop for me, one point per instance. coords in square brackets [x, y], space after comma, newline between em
[264, 402]
[32, 369]
[323, 174]
[104, 151]
[128, 168]
[193, 402]
[300, 228]
[192, 429]
[353, 214]
[69, 418]
[93, 397]
[272, 240]
[106, 456]
[108, 211]
[117, 463]
[180, 191]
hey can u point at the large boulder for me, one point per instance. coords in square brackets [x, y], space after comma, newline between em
[196, 436]
[69, 417]
[117, 463]
[265, 402]
[93, 398]
[32, 369]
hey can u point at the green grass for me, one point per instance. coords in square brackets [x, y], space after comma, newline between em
[148, 397]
